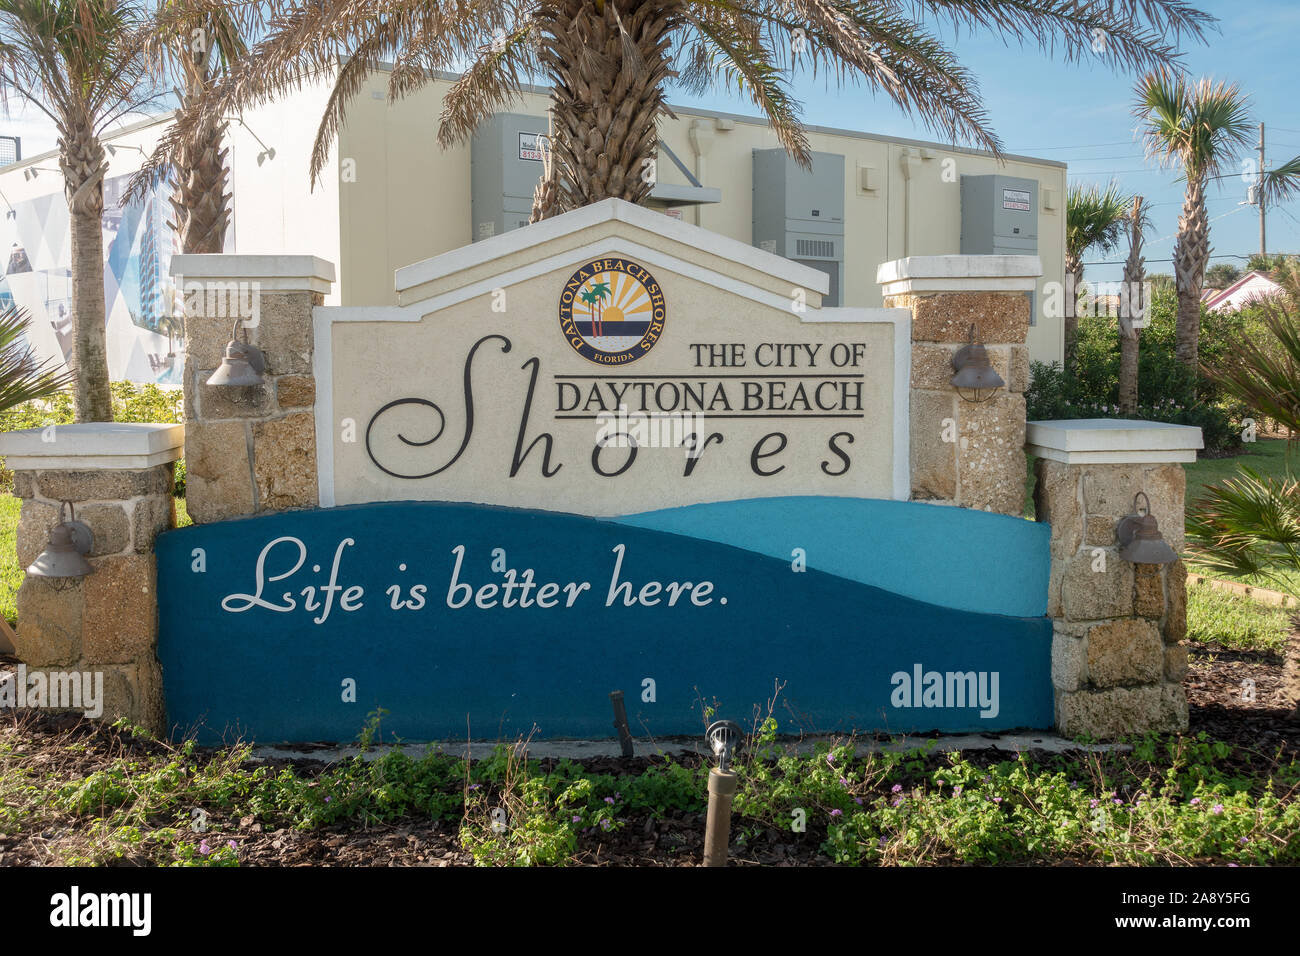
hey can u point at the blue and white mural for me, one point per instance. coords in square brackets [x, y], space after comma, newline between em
[143, 322]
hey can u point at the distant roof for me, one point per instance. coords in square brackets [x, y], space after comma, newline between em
[1259, 285]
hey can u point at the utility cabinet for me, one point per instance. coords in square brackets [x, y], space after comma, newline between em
[999, 216]
[505, 167]
[799, 213]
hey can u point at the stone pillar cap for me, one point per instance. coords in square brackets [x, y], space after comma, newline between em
[270, 273]
[1100, 441]
[929, 274]
[92, 445]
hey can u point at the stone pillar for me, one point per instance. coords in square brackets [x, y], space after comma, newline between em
[250, 449]
[119, 478]
[1117, 664]
[962, 453]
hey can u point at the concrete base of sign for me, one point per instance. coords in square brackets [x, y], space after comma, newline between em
[675, 747]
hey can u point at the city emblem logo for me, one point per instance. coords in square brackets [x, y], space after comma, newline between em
[612, 311]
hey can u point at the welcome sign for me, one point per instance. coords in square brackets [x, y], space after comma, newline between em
[608, 451]
[620, 375]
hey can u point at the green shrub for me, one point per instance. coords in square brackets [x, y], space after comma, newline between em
[1167, 390]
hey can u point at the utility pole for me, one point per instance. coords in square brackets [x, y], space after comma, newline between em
[1259, 193]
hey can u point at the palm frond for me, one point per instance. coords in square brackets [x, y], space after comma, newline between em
[22, 377]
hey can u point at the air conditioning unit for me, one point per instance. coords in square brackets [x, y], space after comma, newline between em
[505, 166]
[799, 213]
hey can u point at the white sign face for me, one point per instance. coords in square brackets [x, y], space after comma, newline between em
[612, 384]
[534, 146]
[1015, 199]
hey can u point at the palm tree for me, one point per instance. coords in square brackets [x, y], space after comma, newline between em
[80, 63]
[1250, 525]
[195, 44]
[22, 377]
[608, 64]
[1133, 304]
[1200, 127]
[1094, 217]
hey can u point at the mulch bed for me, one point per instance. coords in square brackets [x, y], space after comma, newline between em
[1215, 696]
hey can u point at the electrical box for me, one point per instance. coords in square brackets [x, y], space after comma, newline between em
[505, 166]
[799, 213]
[999, 216]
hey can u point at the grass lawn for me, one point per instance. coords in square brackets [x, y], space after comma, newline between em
[1268, 456]
[1235, 622]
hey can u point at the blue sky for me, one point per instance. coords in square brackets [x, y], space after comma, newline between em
[1079, 114]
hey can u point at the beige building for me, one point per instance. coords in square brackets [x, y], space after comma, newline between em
[389, 196]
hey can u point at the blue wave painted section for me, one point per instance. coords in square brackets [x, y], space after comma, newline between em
[953, 557]
[273, 662]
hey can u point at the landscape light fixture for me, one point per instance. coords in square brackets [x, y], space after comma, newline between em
[64, 556]
[242, 365]
[976, 380]
[722, 736]
[1140, 539]
[113, 148]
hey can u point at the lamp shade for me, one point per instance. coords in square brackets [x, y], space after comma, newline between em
[1140, 538]
[64, 556]
[976, 371]
[238, 368]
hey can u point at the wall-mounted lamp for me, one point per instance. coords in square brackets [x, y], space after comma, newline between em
[242, 365]
[975, 381]
[113, 148]
[1140, 539]
[65, 555]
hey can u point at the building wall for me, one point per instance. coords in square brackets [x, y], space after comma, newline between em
[389, 196]
[411, 200]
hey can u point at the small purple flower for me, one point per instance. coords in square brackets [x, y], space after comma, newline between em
[898, 801]
[474, 786]
[1117, 800]
[997, 799]
[1196, 801]
[956, 791]
[837, 813]
[328, 799]
[830, 759]
[1092, 804]
[1243, 841]
[858, 801]
[204, 848]
[844, 782]
[896, 788]
[577, 818]
[609, 800]
[1217, 809]
[233, 845]
[604, 824]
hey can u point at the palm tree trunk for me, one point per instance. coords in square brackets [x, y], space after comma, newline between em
[199, 198]
[1073, 283]
[608, 66]
[1132, 304]
[81, 157]
[1191, 253]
